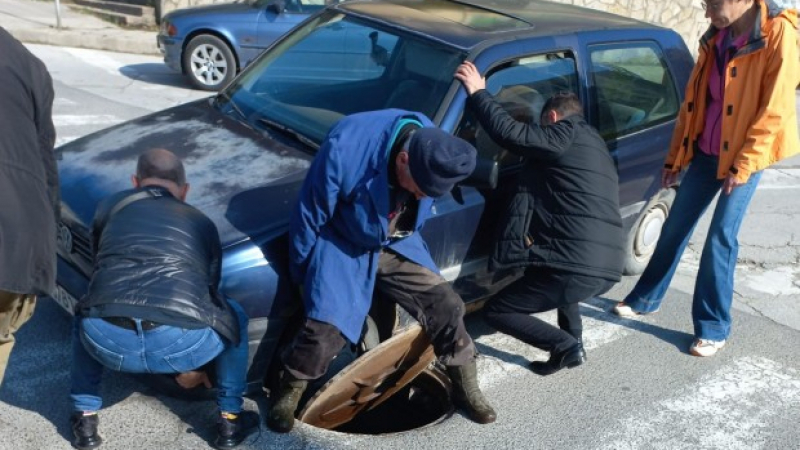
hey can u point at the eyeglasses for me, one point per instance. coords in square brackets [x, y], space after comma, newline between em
[716, 6]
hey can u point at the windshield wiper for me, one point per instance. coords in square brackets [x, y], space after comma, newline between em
[286, 130]
[224, 95]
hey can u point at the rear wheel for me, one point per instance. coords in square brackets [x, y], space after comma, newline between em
[208, 62]
[644, 234]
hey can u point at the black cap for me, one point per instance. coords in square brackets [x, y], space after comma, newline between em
[439, 160]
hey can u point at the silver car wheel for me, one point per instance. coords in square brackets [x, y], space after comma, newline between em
[209, 62]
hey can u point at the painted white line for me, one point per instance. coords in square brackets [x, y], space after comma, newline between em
[730, 409]
[97, 59]
[61, 120]
[63, 140]
[505, 356]
[776, 282]
[61, 101]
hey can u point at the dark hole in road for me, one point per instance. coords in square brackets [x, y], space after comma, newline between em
[424, 401]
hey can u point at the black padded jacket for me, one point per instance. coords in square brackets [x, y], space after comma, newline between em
[158, 259]
[565, 212]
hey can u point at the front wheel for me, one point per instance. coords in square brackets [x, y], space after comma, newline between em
[208, 62]
[644, 234]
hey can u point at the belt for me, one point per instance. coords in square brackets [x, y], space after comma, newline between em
[130, 324]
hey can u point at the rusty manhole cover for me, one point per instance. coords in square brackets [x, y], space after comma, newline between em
[370, 380]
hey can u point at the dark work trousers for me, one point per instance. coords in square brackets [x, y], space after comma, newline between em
[427, 296]
[540, 290]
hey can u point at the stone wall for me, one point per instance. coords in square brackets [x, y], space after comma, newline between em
[684, 16]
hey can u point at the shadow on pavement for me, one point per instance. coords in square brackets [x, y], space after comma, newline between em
[601, 311]
[38, 375]
[679, 339]
[155, 73]
[38, 380]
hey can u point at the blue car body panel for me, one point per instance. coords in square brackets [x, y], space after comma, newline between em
[247, 28]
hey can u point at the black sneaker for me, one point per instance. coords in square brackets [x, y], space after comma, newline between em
[84, 427]
[232, 431]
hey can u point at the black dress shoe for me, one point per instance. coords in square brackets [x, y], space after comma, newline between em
[232, 431]
[572, 357]
[85, 430]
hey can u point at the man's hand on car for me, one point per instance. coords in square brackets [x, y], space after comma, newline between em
[469, 76]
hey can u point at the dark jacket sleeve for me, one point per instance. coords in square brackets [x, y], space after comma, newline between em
[46, 131]
[526, 140]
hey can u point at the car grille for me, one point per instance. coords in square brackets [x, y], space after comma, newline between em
[75, 240]
[82, 244]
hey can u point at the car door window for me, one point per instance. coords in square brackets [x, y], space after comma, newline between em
[521, 86]
[632, 88]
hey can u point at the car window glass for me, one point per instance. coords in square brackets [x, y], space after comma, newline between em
[521, 86]
[633, 88]
[333, 66]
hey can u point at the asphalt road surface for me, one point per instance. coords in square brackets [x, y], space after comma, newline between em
[639, 390]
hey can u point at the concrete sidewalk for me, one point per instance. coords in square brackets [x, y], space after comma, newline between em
[34, 21]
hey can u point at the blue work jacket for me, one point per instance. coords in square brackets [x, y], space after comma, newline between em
[341, 222]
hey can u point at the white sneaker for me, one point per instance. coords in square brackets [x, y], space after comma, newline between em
[623, 310]
[705, 347]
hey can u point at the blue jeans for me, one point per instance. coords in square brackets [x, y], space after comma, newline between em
[163, 350]
[713, 292]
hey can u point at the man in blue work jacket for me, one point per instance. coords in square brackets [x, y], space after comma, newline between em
[355, 230]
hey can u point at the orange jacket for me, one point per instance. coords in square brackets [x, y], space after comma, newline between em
[759, 119]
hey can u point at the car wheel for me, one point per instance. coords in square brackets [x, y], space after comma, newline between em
[644, 234]
[208, 62]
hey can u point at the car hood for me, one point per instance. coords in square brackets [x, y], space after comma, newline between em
[228, 11]
[245, 180]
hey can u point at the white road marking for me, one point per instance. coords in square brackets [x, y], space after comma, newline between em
[505, 356]
[96, 59]
[730, 409]
[61, 101]
[779, 281]
[65, 139]
[62, 120]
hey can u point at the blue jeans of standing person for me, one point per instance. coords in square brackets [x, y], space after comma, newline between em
[162, 350]
[713, 293]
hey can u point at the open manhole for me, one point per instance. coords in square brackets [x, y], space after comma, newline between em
[392, 388]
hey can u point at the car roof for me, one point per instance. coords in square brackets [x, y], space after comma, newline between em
[466, 24]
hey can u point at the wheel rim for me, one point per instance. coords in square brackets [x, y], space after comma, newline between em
[649, 231]
[208, 64]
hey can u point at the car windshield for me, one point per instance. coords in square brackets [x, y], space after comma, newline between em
[335, 65]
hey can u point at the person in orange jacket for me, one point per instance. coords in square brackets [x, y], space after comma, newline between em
[738, 117]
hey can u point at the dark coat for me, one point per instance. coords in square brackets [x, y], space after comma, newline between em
[341, 221]
[29, 198]
[565, 214]
[157, 259]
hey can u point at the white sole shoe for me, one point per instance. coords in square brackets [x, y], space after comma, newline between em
[705, 347]
[623, 310]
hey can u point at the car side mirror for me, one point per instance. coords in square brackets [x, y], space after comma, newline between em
[485, 174]
[276, 6]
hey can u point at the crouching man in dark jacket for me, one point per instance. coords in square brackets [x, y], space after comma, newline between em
[562, 225]
[153, 305]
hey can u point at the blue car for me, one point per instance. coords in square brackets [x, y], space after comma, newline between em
[211, 44]
[248, 148]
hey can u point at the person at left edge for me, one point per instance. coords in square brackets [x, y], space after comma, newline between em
[355, 230]
[153, 304]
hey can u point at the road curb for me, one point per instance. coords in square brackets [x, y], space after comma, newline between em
[144, 43]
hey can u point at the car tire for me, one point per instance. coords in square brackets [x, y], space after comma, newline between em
[208, 62]
[644, 234]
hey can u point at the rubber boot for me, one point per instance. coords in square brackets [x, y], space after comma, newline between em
[284, 405]
[467, 395]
